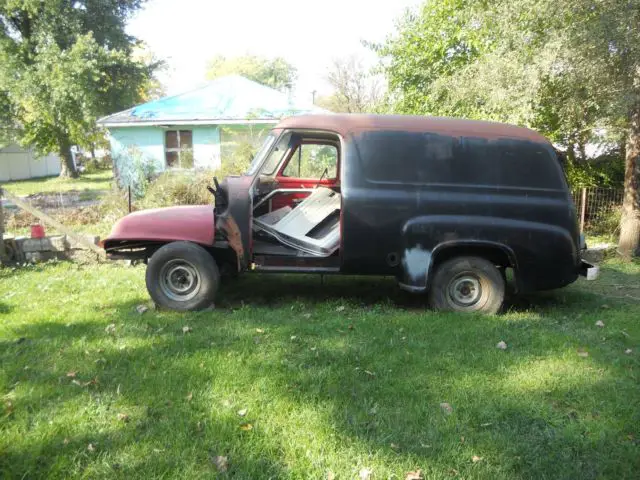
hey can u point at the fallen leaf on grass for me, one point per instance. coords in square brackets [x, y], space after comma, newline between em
[416, 475]
[628, 351]
[141, 309]
[307, 315]
[72, 374]
[341, 308]
[189, 397]
[371, 374]
[394, 446]
[111, 328]
[476, 459]
[293, 337]
[446, 408]
[600, 324]
[583, 354]
[242, 412]
[259, 330]
[331, 475]
[187, 329]
[91, 448]
[485, 424]
[365, 474]
[501, 345]
[123, 417]
[65, 441]
[221, 463]
[246, 427]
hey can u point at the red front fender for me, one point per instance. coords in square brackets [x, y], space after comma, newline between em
[192, 223]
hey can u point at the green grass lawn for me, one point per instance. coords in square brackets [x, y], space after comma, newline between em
[89, 183]
[334, 378]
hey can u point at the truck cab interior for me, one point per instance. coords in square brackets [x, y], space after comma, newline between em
[297, 201]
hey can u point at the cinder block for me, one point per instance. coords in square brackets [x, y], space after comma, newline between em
[56, 243]
[30, 245]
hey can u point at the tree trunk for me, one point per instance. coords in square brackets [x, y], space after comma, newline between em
[629, 244]
[68, 169]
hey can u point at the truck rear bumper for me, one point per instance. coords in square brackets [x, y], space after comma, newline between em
[588, 270]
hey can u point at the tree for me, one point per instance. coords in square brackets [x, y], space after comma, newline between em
[356, 89]
[275, 72]
[62, 65]
[570, 69]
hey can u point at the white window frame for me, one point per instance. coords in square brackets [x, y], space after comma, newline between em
[178, 150]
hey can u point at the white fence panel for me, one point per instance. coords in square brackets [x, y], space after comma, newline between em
[19, 164]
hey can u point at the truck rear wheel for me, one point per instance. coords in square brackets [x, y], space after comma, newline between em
[182, 276]
[467, 284]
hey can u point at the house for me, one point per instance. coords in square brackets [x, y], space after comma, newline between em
[17, 163]
[198, 128]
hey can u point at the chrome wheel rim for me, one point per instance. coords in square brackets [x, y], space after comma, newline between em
[465, 290]
[179, 280]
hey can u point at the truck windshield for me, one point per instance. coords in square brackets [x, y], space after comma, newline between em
[281, 148]
[259, 156]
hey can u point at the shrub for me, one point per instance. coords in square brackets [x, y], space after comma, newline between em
[178, 188]
[134, 170]
[604, 171]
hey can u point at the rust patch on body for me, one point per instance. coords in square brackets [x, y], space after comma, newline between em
[230, 228]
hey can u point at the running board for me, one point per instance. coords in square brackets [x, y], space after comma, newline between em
[292, 269]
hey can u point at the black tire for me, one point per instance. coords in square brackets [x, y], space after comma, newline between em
[467, 284]
[182, 276]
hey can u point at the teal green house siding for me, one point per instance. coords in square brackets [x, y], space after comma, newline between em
[147, 144]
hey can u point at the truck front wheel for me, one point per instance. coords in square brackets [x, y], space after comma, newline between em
[467, 284]
[182, 276]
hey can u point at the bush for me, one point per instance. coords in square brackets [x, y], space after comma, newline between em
[604, 171]
[134, 170]
[178, 188]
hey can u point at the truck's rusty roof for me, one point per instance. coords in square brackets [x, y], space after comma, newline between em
[344, 124]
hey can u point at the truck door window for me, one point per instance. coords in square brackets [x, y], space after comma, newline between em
[310, 160]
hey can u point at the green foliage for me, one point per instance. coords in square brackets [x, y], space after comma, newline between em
[239, 146]
[566, 68]
[134, 170]
[605, 171]
[178, 188]
[64, 64]
[273, 72]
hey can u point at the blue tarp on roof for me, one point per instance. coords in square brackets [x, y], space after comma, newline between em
[226, 98]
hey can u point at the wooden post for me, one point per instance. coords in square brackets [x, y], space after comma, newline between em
[583, 209]
[3, 252]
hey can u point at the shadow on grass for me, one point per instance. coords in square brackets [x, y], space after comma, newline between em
[4, 308]
[378, 372]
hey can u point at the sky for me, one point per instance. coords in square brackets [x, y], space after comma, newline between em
[309, 35]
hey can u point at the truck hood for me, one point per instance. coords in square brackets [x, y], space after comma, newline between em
[193, 223]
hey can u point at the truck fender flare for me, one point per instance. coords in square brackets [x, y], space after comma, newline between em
[418, 261]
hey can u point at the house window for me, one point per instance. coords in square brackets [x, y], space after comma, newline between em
[178, 148]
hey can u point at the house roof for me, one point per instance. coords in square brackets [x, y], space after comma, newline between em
[231, 99]
[349, 123]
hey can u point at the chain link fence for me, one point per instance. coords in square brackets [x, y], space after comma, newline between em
[599, 209]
